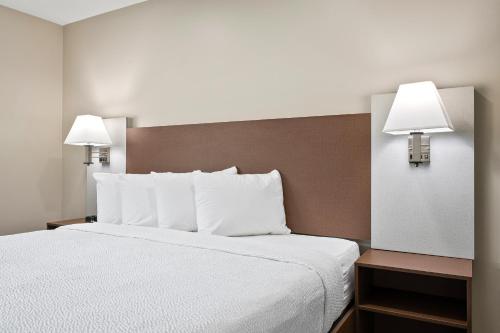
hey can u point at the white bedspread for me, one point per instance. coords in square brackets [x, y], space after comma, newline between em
[108, 278]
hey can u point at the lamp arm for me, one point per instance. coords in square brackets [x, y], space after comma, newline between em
[103, 155]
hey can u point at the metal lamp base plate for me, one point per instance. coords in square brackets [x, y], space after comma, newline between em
[419, 148]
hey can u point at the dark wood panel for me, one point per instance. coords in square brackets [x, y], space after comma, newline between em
[469, 305]
[346, 323]
[398, 292]
[56, 224]
[417, 263]
[418, 283]
[378, 323]
[324, 163]
[432, 309]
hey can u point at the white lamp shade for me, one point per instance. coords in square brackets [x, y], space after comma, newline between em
[88, 130]
[417, 108]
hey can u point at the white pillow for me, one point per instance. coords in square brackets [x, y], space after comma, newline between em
[174, 194]
[138, 200]
[240, 205]
[108, 198]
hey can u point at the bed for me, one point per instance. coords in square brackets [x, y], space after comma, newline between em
[111, 278]
[115, 278]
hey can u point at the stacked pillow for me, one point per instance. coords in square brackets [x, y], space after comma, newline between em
[138, 202]
[175, 198]
[108, 198]
[240, 205]
[221, 203]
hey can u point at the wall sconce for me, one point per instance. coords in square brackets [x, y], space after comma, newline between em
[418, 109]
[89, 131]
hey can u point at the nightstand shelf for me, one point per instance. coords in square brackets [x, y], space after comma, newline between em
[423, 292]
[432, 309]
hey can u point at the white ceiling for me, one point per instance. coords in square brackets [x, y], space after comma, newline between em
[66, 11]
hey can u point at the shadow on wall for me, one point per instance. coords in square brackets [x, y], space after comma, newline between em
[486, 290]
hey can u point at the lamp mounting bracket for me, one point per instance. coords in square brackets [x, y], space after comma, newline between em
[419, 148]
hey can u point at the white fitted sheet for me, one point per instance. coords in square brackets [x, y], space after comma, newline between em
[116, 278]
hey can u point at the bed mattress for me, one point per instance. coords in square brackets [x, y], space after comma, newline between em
[112, 278]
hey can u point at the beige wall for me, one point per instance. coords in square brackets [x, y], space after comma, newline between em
[30, 122]
[172, 62]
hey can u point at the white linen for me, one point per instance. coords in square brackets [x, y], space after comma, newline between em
[174, 194]
[108, 198]
[138, 201]
[240, 205]
[346, 252]
[110, 278]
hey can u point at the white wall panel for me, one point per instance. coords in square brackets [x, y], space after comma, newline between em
[427, 209]
[117, 129]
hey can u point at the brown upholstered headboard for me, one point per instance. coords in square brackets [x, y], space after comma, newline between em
[324, 163]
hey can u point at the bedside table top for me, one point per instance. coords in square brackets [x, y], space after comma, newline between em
[417, 263]
[66, 222]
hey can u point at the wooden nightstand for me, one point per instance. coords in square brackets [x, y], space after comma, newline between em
[410, 293]
[57, 224]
